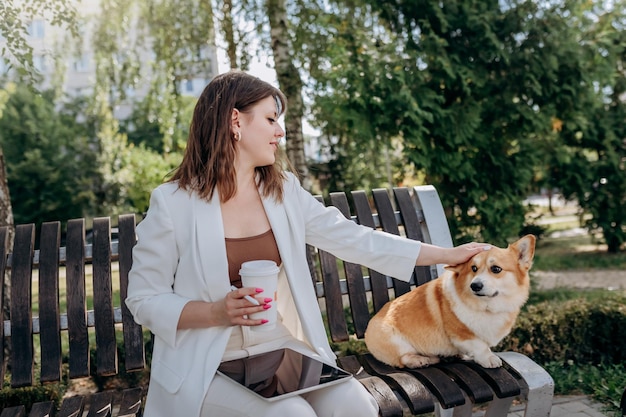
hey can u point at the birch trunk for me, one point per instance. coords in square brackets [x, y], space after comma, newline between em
[290, 83]
[229, 33]
[6, 219]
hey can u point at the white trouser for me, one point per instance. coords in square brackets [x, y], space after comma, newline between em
[225, 399]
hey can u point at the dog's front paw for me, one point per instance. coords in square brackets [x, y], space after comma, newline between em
[489, 361]
[412, 360]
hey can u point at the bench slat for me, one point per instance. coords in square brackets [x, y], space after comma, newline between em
[413, 228]
[415, 394]
[133, 334]
[49, 318]
[441, 385]
[22, 351]
[130, 405]
[378, 282]
[4, 248]
[19, 411]
[43, 409]
[76, 301]
[332, 295]
[470, 381]
[334, 306]
[354, 277]
[101, 404]
[501, 381]
[387, 401]
[387, 219]
[106, 363]
[72, 406]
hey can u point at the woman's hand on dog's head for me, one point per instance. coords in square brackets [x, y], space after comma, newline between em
[431, 254]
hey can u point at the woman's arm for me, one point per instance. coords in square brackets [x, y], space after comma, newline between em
[430, 254]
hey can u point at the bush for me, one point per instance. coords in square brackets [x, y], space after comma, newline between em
[576, 331]
[10, 397]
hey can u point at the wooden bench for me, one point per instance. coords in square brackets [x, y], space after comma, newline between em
[448, 388]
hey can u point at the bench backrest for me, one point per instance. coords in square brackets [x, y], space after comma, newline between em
[416, 214]
[51, 321]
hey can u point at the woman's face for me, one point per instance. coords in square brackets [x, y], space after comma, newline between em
[260, 134]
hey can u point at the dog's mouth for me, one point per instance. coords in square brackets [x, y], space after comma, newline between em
[495, 294]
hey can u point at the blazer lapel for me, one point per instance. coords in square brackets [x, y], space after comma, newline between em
[211, 246]
[280, 227]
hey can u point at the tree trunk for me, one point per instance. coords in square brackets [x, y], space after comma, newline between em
[6, 219]
[229, 33]
[290, 83]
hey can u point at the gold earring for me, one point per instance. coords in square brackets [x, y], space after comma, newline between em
[237, 136]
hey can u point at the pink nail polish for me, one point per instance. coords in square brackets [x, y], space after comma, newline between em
[259, 290]
[264, 321]
[267, 300]
[267, 307]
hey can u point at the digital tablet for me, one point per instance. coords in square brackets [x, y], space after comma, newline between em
[281, 373]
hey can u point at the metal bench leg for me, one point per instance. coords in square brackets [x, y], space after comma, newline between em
[540, 384]
[499, 407]
[464, 410]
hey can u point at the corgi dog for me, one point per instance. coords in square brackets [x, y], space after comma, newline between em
[465, 312]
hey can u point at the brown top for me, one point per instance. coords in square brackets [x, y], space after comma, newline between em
[253, 248]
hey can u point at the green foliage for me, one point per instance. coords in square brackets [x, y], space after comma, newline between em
[605, 383]
[479, 95]
[589, 166]
[149, 170]
[14, 25]
[10, 397]
[577, 331]
[49, 158]
[60, 168]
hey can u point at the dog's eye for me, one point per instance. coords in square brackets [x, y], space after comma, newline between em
[474, 268]
[496, 269]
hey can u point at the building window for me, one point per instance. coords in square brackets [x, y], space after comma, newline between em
[39, 62]
[36, 29]
[81, 64]
[189, 86]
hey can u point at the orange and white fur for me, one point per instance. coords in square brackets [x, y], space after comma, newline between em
[465, 312]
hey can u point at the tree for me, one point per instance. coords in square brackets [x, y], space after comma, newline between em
[16, 17]
[273, 23]
[49, 160]
[590, 166]
[471, 88]
[290, 82]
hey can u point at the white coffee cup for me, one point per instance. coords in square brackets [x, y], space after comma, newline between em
[262, 274]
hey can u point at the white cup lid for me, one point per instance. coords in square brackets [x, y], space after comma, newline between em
[259, 268]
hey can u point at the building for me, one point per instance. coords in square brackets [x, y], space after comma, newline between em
[68, 63]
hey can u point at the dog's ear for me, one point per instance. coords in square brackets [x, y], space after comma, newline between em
[526, 249]
[454, 268]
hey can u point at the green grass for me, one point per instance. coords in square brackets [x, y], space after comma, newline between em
[575, 253]
[603, 383]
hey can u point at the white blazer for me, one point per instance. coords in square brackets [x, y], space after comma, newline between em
[180, 256]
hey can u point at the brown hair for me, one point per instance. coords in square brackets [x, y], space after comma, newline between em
[209, 157]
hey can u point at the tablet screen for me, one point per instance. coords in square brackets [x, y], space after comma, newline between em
[281, 373]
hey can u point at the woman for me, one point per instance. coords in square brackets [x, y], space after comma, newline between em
[228, 202]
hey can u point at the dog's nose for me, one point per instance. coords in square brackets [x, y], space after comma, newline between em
[476, 286]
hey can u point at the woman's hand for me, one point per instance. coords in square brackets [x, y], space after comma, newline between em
[238, 305]
[232, 310]
[430, 254]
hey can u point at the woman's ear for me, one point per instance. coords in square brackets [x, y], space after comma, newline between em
[235, 120]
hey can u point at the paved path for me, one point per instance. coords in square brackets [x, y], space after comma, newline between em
[568, 406]
[607, 279]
